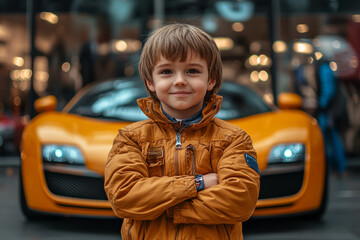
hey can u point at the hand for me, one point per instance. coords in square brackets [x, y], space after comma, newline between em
[210, 179]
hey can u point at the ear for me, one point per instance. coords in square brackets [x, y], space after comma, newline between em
[150, 85]
[211, 84]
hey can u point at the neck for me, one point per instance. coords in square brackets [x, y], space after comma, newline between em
[193, 117]
[182, 114]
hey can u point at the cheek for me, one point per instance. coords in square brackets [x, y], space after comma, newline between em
[162, 86]
[201, 87]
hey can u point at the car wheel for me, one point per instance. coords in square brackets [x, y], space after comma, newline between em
[28, 213]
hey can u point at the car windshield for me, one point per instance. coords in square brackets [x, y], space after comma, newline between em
[240, 101]
[116, 100]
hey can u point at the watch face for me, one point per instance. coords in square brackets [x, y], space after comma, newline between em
[199, 182]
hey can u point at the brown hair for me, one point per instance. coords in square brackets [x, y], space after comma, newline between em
[173, 42]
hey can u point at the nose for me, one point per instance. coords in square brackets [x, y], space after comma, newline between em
[180, 79]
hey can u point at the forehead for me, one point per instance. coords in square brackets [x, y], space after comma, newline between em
[191, 57]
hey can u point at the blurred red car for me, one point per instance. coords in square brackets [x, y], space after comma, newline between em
[11, 128]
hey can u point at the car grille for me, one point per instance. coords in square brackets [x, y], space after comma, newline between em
[280, 185]
[75, 186]
[85, 187]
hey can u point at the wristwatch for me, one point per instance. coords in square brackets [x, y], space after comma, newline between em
[199, 182]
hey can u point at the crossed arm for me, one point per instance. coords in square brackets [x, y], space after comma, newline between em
[229, 196]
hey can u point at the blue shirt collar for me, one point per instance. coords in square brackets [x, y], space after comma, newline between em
[187, 121]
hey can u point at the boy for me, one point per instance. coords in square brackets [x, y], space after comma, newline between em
[182, 174]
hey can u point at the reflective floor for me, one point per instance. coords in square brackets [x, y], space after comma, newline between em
[341, 221]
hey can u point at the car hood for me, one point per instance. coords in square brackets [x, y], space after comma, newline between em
[95, 137]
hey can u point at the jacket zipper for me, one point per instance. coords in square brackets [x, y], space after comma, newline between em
[178, 146]
[178, 140]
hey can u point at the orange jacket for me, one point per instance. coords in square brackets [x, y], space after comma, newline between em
[150, 182]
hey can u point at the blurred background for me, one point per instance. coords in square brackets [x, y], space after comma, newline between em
[56, 47]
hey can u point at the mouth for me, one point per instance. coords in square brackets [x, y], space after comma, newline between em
[180, 93]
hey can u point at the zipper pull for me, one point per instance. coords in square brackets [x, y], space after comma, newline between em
[178, 141]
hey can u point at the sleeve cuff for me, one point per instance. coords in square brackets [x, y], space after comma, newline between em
[184, 187]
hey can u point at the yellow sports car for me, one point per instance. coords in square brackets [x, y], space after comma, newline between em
[63, 153]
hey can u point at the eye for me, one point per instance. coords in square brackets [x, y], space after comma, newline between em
[193, 71]
[166, 71]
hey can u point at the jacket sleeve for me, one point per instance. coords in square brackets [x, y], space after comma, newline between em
[130, 190]
[234, 198]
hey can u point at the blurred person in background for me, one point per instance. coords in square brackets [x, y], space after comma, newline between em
[331, 106]
[323, 98]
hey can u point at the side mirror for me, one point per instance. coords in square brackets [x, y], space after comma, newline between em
[46, 104]
[287, 100]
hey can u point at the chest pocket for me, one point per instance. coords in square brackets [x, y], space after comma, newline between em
[155, 159]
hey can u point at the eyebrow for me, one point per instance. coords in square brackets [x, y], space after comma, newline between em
[195, 65]
[169, 64]
[162, 65]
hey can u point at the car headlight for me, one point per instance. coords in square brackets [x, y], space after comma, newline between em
[62, 154]
[287, 153]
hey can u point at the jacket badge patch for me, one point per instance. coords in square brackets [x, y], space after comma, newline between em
[251, 161]
[155, 154]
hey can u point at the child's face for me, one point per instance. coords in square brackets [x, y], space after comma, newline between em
[181, 86]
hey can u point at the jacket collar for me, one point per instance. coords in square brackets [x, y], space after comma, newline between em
[152, 109]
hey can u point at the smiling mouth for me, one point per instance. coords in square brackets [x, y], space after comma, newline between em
[180, 93]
